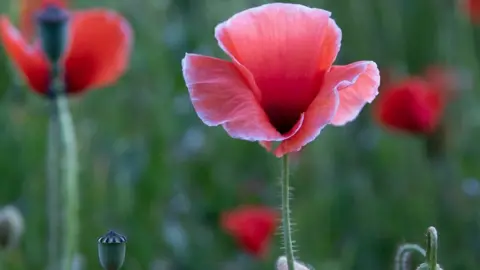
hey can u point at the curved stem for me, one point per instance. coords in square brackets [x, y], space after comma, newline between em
[69, 170]
[286, 222]
[403, 253]
[432, 247]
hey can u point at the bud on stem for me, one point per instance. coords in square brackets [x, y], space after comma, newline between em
[52, 24]
[111, 250]
[11, 227]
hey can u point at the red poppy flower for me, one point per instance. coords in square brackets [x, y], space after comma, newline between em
[280, 84]
[414, 105]
[98, 52]
[472, 8]
[252, 227]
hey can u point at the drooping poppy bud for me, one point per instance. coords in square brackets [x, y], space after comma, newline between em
[282, 264]
[11, 227]
[52, 27]
[111, 250]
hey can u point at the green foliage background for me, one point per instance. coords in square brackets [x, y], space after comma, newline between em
[153, 171]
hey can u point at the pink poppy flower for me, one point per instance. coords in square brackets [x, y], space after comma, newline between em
[280, 85]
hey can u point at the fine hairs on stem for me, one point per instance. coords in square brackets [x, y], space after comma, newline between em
[432, 247]
[69, 170]
[286, 222]
[403, 254]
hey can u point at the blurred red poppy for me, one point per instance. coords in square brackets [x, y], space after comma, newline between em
[97, 55]
[252, 227]
[472, 8]
[280, 84]
[415, 105]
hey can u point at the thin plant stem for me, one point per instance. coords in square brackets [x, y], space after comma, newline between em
[69, 172]
[52, 192]
[432, 247]
[286, 222]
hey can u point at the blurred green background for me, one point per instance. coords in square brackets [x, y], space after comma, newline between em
[151, 170]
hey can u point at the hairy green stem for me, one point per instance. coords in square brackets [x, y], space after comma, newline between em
[403, 252]
[432, 247]
[286, 222]
[69, 172]
[52, 192]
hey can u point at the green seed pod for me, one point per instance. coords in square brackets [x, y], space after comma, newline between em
[52, 24]
[11, 227]
[111, 250]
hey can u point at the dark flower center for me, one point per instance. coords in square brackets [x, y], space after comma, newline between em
[281, 118]
[285, 99]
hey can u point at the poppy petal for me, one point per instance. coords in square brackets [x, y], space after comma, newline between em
[28, 8]
[318, 115]
[331, 45]
[221, 97]
[364, 88]
[410, 106]
[99, 49]
[29, 60]
[251, 226]
[472, 8]
[263, 41]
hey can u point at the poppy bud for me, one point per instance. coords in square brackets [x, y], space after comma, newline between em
[111, 250]
[11, 227]
[52, 24]
[282, 265]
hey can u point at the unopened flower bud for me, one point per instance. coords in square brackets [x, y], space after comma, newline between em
[111, 250]
[282, 264]
[52, 26]
[11, 227]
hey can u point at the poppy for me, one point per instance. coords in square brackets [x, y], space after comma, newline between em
[97, 54]
[414, 105]
[472, 9]
[252, 227]
[280, 84]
